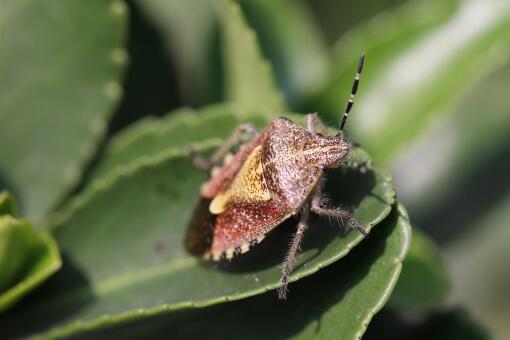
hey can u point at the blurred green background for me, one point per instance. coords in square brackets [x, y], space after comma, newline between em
[433, 107]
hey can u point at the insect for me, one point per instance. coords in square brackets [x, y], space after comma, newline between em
[276, 175]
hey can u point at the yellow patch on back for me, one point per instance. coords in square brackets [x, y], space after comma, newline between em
[249, 185]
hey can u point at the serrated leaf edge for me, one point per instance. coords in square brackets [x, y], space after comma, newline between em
[123, 171]
[119, 172]
[407, 234]
[112, 89]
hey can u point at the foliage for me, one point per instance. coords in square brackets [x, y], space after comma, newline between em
[113, 191]
[27, 256]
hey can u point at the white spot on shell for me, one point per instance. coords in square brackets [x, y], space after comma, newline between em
[216, 256]
[228, 158]
[229, 253]
[215, 171]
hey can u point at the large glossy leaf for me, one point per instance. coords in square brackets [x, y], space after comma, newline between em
[178, 129]
[336, 303]
[249, 79]
[411, 78]
[58, 86]
[124, 257]
[424, 282]
[27, 258]
[290, 38]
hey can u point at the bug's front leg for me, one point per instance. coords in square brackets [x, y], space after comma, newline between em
[317, 207]
[290, 258]
[207, 164]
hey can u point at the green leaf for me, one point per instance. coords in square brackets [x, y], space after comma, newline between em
[124, 236]
[385, 36]
[249, 79]
[60, 62]
[188, 32]
[471, 144]
[449, 323]
[424, 282]
[415, 76]
[27, 258]
[290, 38]
[339, 300]
[7, 204]
[176, 130]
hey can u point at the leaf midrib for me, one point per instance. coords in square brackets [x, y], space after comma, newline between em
[104, 286]
[122, 280]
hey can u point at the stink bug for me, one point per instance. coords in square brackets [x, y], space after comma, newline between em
[276, 175]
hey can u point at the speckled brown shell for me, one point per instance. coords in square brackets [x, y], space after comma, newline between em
[267, 181]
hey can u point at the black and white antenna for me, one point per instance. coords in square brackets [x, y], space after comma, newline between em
[353, 91]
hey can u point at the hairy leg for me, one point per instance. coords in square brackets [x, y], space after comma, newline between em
[207, 164]
[318, 208]
[314, 124]
[294, 249]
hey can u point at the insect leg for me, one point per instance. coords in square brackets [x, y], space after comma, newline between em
[318, 208]
[236, 137]
[294, 248]
[314, 124]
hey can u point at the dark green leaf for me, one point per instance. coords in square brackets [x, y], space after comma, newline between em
[60, 62]
[452, 324]
[424, 282]
[27, 257]
[7, 204]
[188, 29]
[444, 324]
[339, 300]
[292, 41]
[130, 262]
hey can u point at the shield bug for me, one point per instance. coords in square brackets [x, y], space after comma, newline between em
[274, 176]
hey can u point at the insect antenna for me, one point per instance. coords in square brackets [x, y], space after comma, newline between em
[353, 91]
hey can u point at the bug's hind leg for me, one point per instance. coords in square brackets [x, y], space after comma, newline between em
[207, 164]
[314, 124]
[290, 258]
[319, 208]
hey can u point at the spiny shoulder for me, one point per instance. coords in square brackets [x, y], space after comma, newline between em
[285, 123]
[283, 129]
